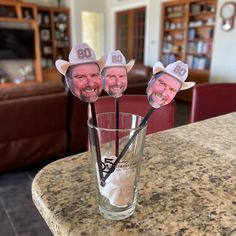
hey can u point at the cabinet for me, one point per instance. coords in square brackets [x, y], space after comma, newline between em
[187, 35]
[16, 15]
[54, 31]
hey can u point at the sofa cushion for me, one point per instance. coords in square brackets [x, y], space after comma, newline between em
[9, 92]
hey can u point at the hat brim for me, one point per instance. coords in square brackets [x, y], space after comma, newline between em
[158, 67]
[187, 85]
[128, 66]
[63, 65]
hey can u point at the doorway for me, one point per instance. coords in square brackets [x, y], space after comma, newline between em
[130, 33]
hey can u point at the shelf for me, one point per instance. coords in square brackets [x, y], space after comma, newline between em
[174, 17]
[173, 30]
[8, 19]
[197, 19]
[45, 26]
[23, 15]
[201, 27]
[200, 14]
[174, 41]
[198, 54]
[200, 40]
[57, 40]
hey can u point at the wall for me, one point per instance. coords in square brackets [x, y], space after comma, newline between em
[77, 6]
[223, 67]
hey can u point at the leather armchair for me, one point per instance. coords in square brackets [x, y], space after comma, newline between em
[212, 99]
[161, 119]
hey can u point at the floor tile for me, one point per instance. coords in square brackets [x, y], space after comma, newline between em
[41, 230]
[16, 196]
[26, 216]
[6, 227]
[12, 178]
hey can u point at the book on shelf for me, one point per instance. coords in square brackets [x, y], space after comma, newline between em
[191, 34]
[199, 47]
[168, 58]
[189, 61]
[197, 62]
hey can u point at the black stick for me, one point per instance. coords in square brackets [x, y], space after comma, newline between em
[129, 142]
[117, 126]
[96, 141]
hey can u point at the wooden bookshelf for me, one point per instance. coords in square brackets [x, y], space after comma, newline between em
[187, 35]
[55, 39]
[23, 14]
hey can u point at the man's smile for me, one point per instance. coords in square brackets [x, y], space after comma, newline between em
[89, 91]
[159, 97]
[116, 87]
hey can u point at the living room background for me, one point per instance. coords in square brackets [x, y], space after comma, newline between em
[223, 67]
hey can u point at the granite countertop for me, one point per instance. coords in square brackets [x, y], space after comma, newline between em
[187, 187]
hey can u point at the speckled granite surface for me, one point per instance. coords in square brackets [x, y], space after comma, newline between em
[187, 187]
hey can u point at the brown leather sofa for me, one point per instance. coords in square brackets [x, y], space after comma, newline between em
[33, 123]
[40, 121]
[138, 78]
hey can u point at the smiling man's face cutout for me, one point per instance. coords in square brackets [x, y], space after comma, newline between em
[84, 81]
[115, 80]
[162, 89]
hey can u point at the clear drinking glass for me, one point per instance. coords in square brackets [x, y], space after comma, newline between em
[116, 180]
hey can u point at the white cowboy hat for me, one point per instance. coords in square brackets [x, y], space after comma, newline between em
[80, 54]
[116, 58]
[178, 70]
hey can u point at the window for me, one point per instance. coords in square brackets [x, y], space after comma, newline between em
[130, 32]
[92, 30]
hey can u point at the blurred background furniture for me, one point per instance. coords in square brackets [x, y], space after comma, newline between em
[47, 30]
[211, 100]
[161, 119]
[187, 35]
[77, 125]
[33, 123]
[138, 78]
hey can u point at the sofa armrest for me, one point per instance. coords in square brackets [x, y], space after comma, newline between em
[139, 74]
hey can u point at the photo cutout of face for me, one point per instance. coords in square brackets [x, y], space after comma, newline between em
[84, 81]
[162, 89]
[115, 81]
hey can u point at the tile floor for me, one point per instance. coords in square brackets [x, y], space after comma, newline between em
[18, 215]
